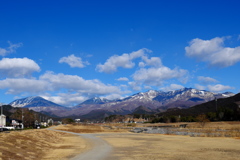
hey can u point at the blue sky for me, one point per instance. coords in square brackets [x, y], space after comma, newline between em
[69, 51]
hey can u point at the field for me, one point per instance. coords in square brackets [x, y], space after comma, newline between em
[46, 144]
[170, 147]
[132, 146]
[40, 144]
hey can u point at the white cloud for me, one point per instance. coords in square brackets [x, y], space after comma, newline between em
[218, 88]
[156, 76]
[78, 84]
[134, 86]
[201, 48]
[153, 61]
[213, 52]
[147, 87]
[70, 88]
[66, 99]
[23, 85]
[18, 67]
[200, 87]
[206, 80]
[172, 87]
[113, 96]
[11, 49]
[141, 64]
[123, 79]
[124, 61]
[73, 61]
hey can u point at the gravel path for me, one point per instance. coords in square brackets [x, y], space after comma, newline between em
[100, 148]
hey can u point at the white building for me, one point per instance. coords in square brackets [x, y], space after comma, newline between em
[2, 120]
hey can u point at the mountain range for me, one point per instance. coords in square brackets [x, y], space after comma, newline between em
[154, 101]
[226, 109]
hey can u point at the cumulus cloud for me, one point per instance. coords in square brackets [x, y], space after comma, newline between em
[200, 87]
[213, 52]
[18, 67]
[78, 84]
[11, 49]
[147, 87]
[206, 80]
[66, 99]
[153, 61]
[172, 87]
[156, 76]
[71, 89]
[23, 85]
[218, 88]
[123, 79]
[134, 86]
[113, 96]
[73, 61]
[125, 61]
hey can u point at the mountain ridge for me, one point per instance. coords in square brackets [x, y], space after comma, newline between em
[152, 99]
[37, 104]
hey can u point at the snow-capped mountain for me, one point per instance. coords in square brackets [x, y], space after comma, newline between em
[154, 100]
[144, 96]
[37, 104]
[95, 100]
[22, 102]
[186, 94]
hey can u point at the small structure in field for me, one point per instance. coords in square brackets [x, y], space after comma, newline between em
[2, 120]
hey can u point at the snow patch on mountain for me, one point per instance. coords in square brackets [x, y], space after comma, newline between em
[23, 102]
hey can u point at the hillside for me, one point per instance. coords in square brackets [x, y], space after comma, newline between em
[228, 107]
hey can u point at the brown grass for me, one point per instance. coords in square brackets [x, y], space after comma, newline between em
[210, 129]
[91, 128]
[39, 144]
[168, 147]
[219, 129]
[51, 145]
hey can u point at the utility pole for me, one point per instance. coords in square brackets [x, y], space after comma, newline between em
[216, 103]
[22, 119]
[1, 118]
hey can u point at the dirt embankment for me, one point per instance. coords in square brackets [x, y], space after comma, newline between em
[40, 144]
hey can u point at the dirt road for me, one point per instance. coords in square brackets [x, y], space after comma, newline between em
[100, 149]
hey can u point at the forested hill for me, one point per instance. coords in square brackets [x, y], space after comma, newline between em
[225, 109]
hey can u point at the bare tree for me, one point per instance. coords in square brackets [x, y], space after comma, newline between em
[202, 119]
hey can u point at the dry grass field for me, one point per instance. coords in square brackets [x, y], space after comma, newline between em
[40, 144]
[170, 147]
[131, 146]
[51, 145]
[210, 129]
[91, 128]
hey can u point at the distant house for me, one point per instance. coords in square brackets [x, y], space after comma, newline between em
[2, 120]
[50, 121]
[77, 120]
[16, 124]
